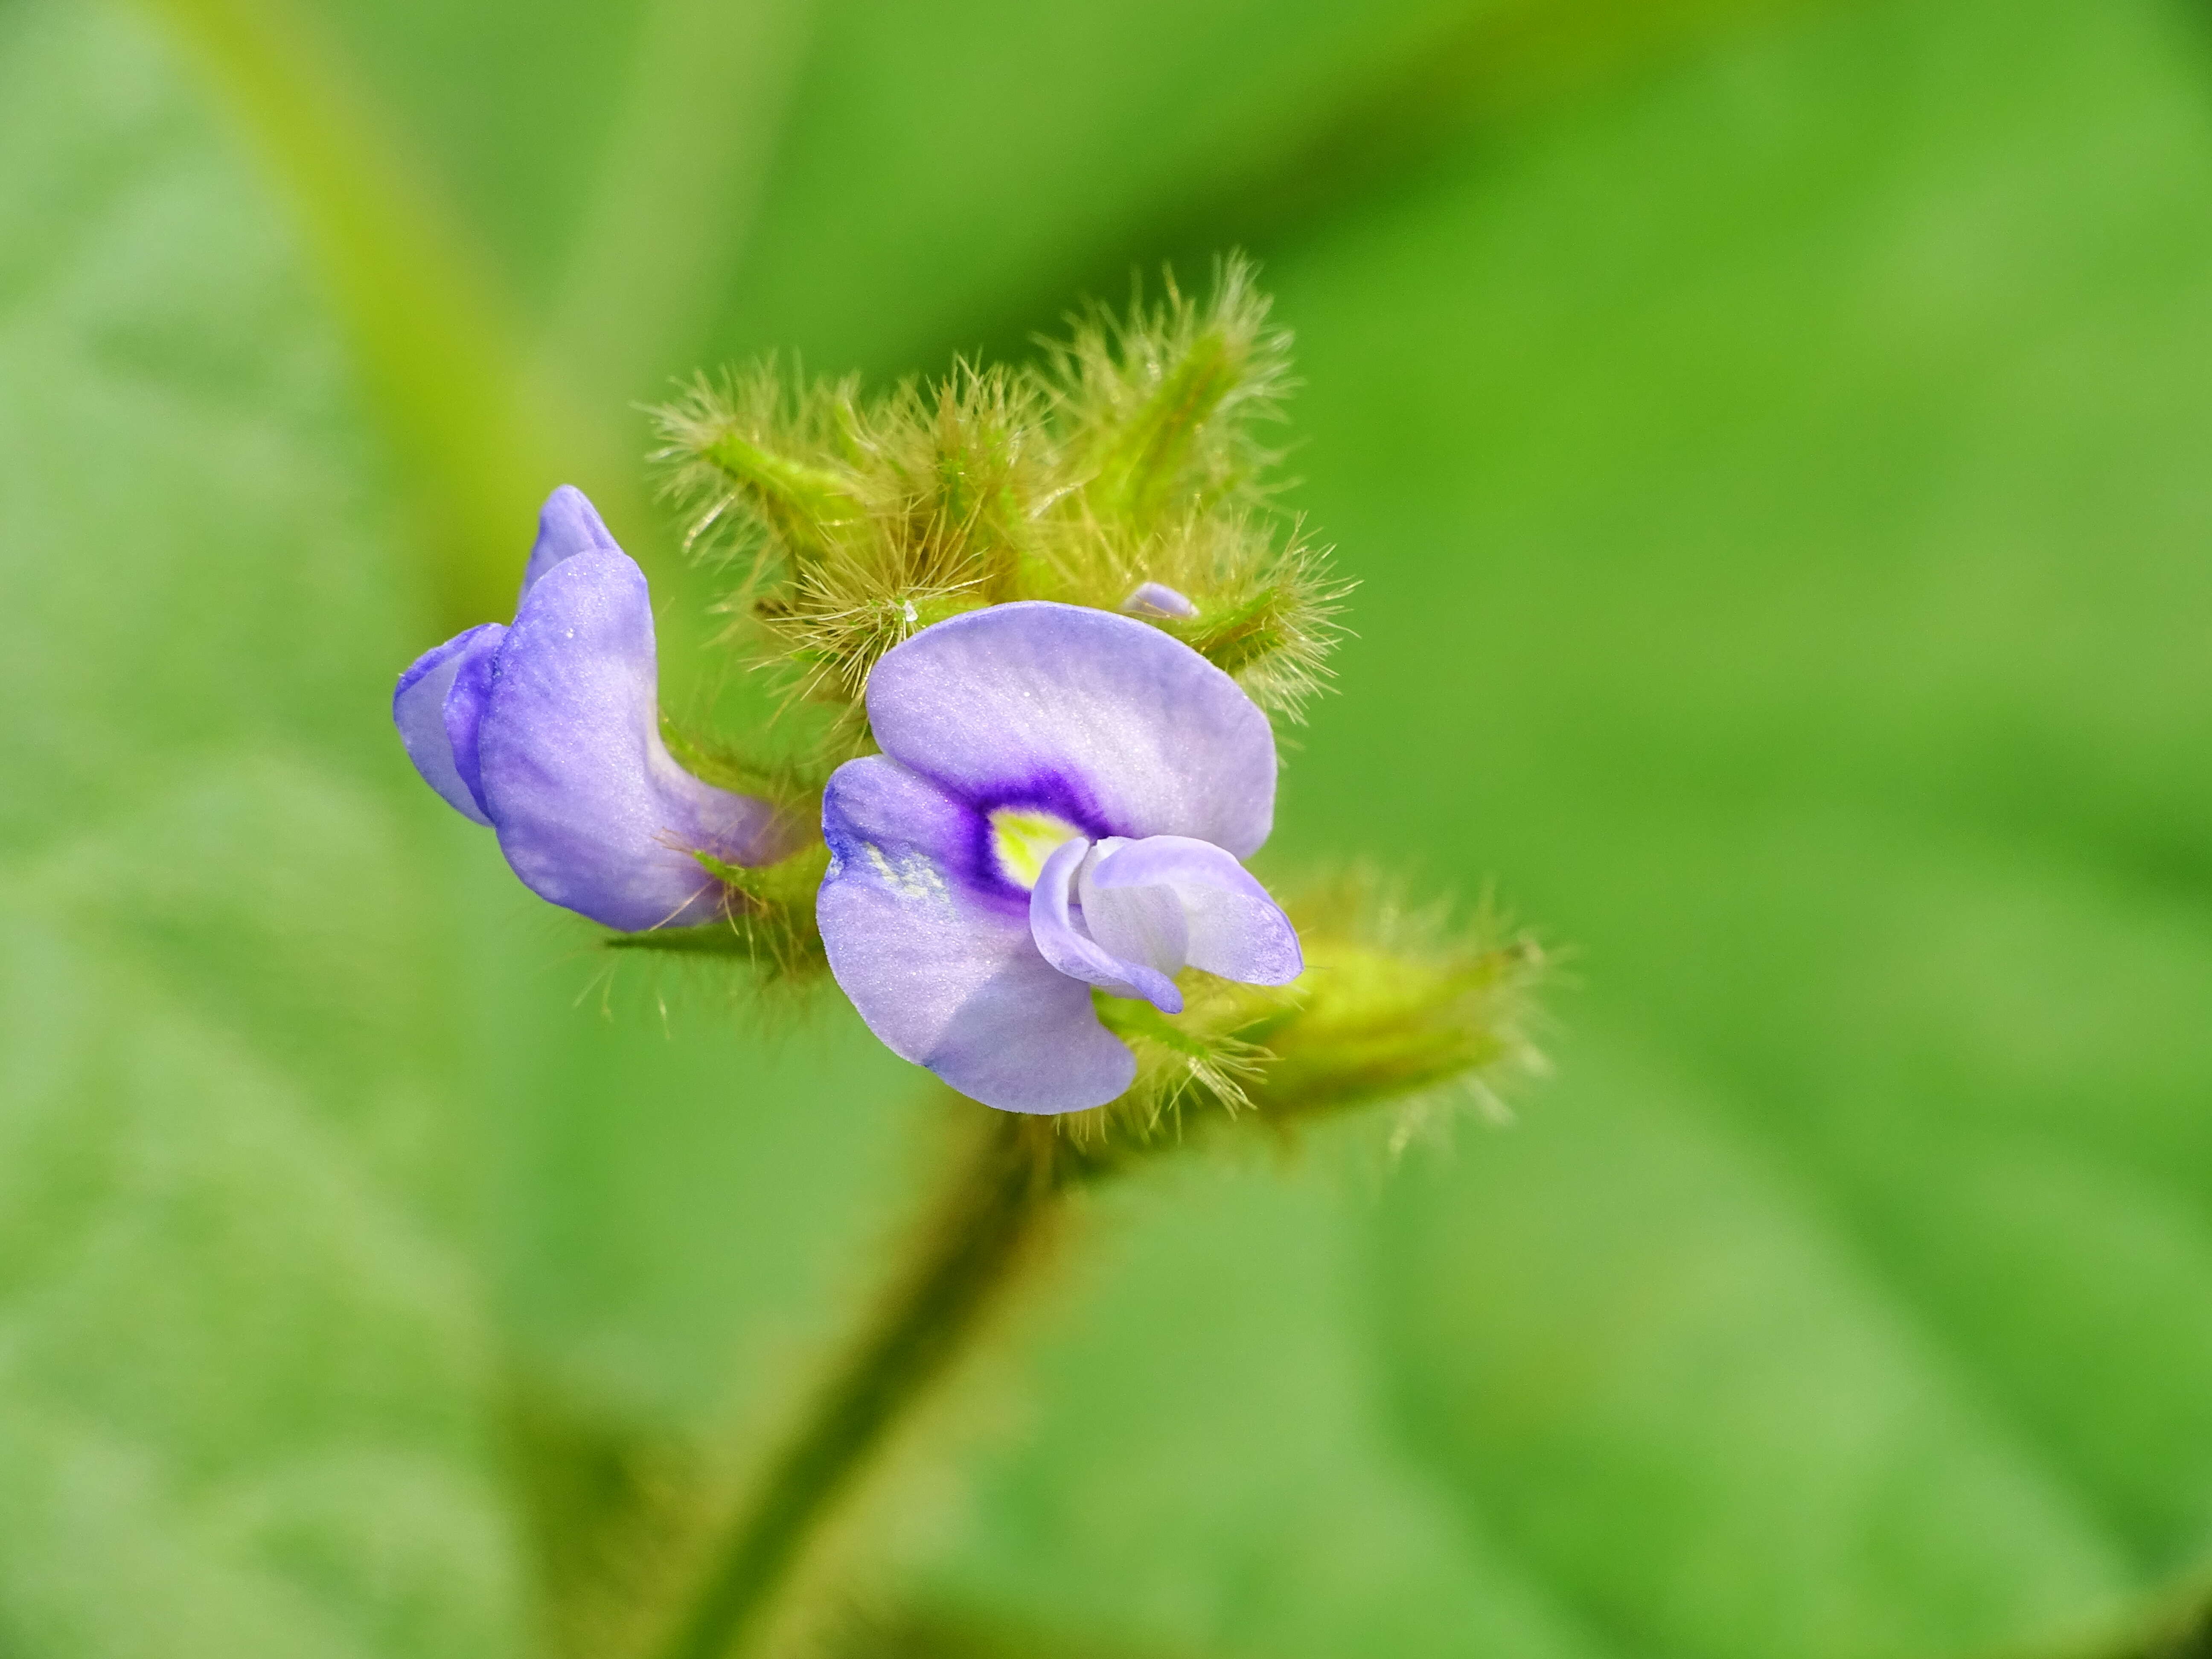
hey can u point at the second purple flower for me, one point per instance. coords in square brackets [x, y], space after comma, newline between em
[1062, 804]
[548, 733]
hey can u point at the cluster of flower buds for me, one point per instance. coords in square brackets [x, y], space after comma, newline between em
[1042, 619]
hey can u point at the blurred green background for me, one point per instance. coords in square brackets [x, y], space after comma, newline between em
[1771, 440]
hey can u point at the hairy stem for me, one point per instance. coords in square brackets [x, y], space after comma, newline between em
[1001, 1197]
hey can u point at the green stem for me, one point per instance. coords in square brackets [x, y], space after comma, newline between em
[985, 1226]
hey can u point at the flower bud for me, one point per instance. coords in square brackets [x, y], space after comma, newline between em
[1125, 466]
[1393, 1007]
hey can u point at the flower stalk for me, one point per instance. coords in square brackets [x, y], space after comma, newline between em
[994, 1214]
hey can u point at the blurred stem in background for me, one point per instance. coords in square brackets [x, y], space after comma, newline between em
[483, 415]
[1412, 1010]
[675, 194]
[994, 1213]
[477, 423]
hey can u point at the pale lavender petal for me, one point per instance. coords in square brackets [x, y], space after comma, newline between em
[592, 810]
[942, 969]
[418, 709]
[465, 701]
[567, 525]
[1235, 929]
[1143, 924]
[1066, 946]
[1099, 718]
[1158, 600]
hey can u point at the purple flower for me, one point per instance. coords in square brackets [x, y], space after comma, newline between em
[548, 730]
[1061, 803]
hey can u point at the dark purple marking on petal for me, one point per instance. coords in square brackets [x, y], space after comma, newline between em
[879, 817]
[876, 802]
[1101, 719]
[944, 972]
[961, 842]
[1061, 797]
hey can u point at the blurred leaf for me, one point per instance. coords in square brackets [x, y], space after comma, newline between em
[952, 174]
[1780, 499]
[944, 173]
[1780, 491]
[1798, 468]
[1199, 1463]
[243, 1367]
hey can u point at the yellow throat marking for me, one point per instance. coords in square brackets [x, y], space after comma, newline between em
[1024, 840]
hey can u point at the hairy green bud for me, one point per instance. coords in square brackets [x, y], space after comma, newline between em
[1395, 1006]
[1158, 407]
[1126, 457]
[749, 446]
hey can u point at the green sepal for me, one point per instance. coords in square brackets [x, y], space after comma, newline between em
[1381, 1025]
[1245, 633]
[806, 504]
[1146, 463]
[760, 448]
[767, 920]
[1159, 406]
[789, 882]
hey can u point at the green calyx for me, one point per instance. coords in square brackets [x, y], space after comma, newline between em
[806, 504]
[767, 920]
